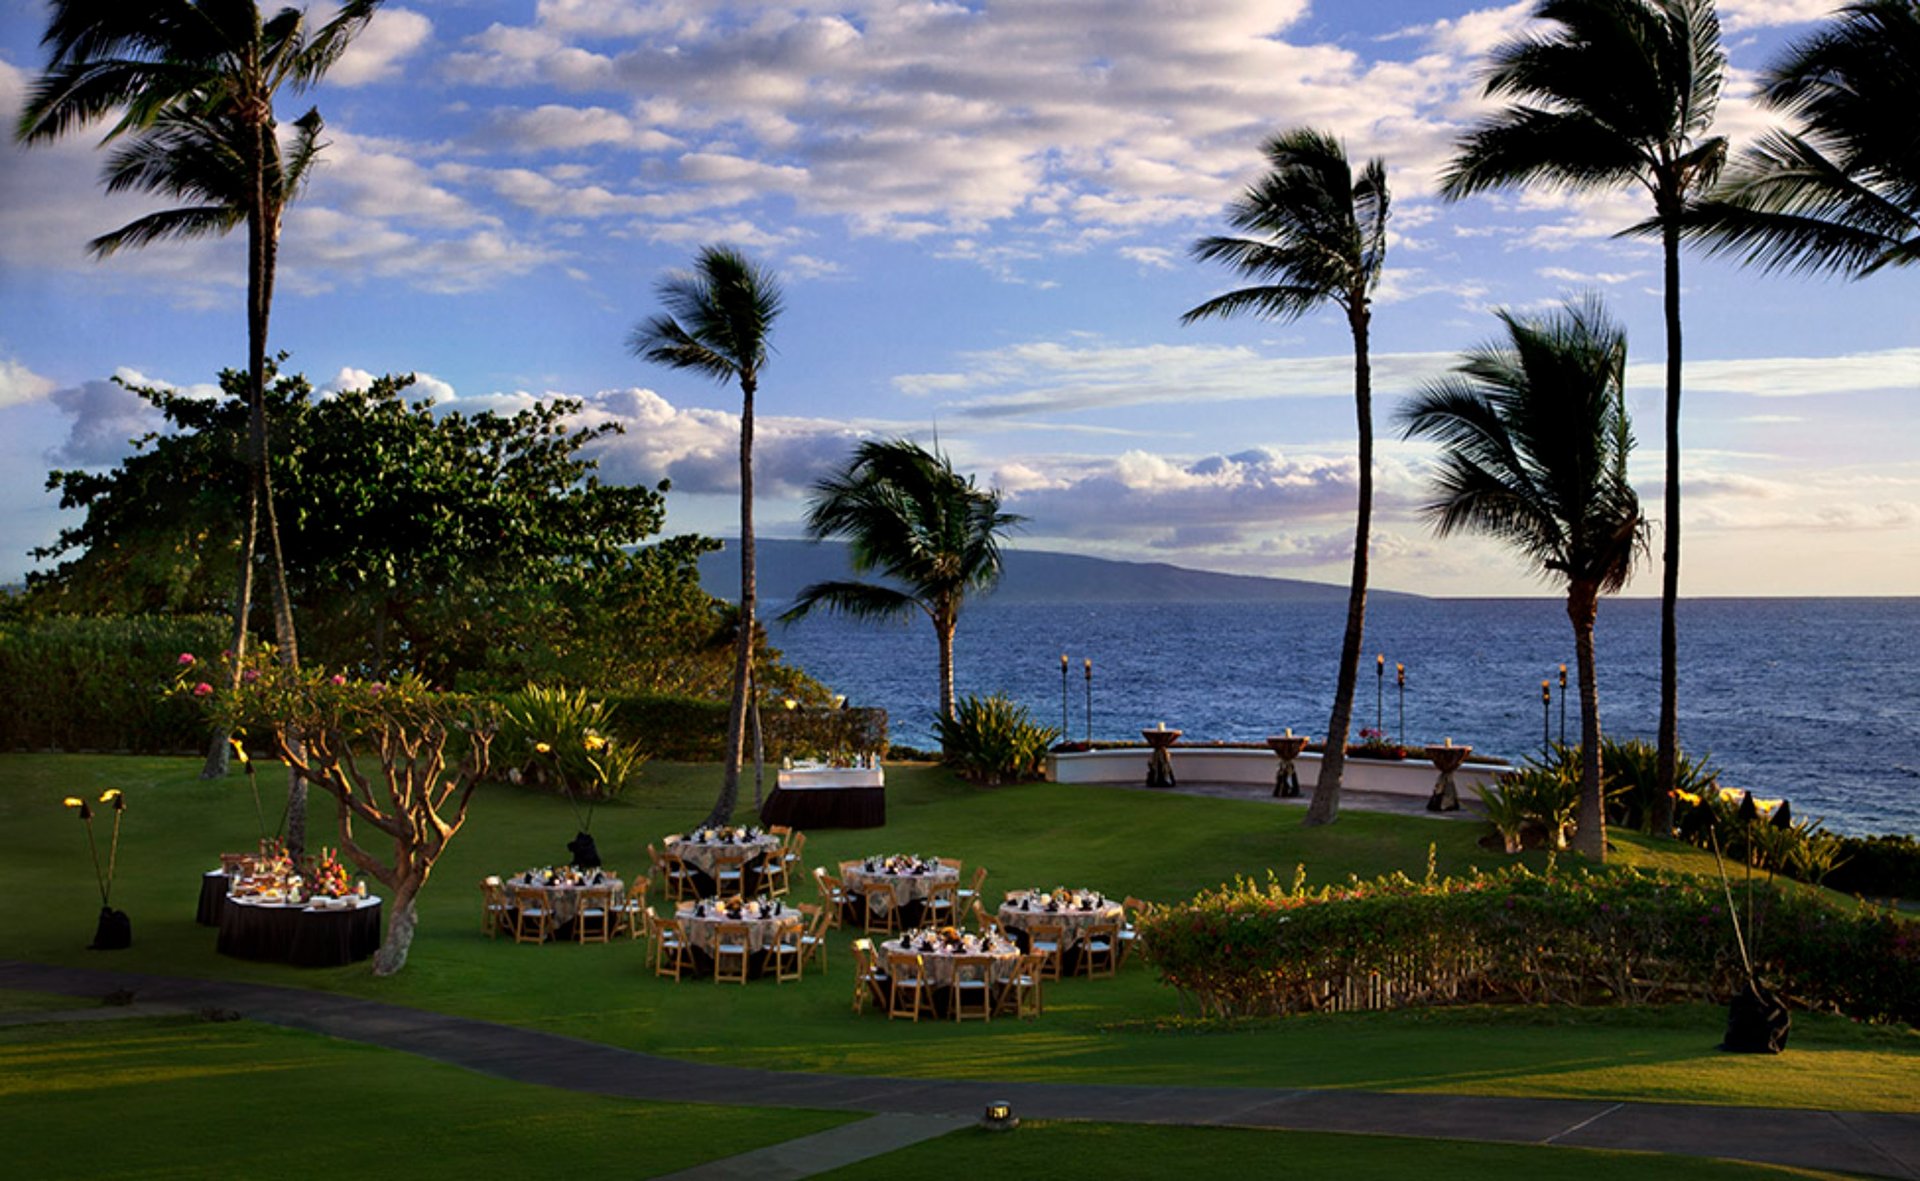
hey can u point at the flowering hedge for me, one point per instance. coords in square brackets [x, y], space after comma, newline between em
[1568, 937]
[98, 682]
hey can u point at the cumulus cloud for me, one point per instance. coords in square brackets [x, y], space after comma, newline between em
[1791, 377]
[376, 54]
[19, 384]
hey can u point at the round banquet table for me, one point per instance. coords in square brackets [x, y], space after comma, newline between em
[1073, 920]
[939, 964]
[702, 856]
[213, 897]
[703, 930]
[254, 930]
[563, 898]
[910, 890]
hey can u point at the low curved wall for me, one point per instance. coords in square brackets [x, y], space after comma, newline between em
[1201, 764]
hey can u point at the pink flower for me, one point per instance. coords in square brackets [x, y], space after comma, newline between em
[186, 658]
[203, 690]
[377, 687]
[250, 676]
[337, 679]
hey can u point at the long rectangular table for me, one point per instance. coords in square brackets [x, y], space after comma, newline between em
[828, 797]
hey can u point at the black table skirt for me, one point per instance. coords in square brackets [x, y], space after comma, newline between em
[303, 938]
[826, 807]
[213, 898]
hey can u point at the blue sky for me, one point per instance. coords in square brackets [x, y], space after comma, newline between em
[981, 213]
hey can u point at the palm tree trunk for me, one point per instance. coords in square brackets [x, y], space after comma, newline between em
[743, 643]
[1590, 822]
[1325, 807]
[263, 231]
[944, 620]
[1668, 754]
[218, 753]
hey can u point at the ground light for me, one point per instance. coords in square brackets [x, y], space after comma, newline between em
[999, 1117]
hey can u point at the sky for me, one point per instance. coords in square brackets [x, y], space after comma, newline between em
[981, 214]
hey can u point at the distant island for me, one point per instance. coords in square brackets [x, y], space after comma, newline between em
[1032, 576]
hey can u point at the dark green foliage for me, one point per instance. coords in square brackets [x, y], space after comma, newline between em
[1632, 771]
[1886, 866]
[993, 740]
[98, 683]
[1563, 938]
[691, 730]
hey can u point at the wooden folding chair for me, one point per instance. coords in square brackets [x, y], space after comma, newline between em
[672, 955]
[970, 995]
[909, 993]
[593, 918]
[813, 942]
[1020, 993]
[730, 871]
[785, 955]
[1050, 941]
[881, 915]
[869, 978]
[1099, 951]
[730, 953]
[940, 910]
[496, 910]
[532, 917]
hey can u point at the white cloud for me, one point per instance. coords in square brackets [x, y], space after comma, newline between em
[19, 384]
[375, 55]
[1792, 377]
[1740, 15]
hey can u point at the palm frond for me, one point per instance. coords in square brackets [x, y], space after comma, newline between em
[859, 600]
[198, 221]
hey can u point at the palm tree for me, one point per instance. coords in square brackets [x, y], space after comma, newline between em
[190, 85]
[717, 321]
[1534, 442]
[1616, 92]
[908, 515]
[1320, 237]
[1842, 193]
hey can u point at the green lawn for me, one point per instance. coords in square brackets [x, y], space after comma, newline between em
[1126, 1030]
[1037, 1152]
[178, 1097]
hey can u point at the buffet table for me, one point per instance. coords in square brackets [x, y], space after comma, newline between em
[828, 797]
[256, 929]
[213, 897]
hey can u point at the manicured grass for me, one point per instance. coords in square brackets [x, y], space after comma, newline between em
[15, 1000]
[179, 1097]
[1040, 1152]
[1153, 845]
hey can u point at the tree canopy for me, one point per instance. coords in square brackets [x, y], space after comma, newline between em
[461, 546]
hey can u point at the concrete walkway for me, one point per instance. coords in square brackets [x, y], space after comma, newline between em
[1857, 1142]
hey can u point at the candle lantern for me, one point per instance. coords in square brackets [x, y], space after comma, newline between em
[1400, 680]
[1563, 703]
[1089, 668]
[1380, 693]
[1546, 714]
[1063, 697]
[999, 1117]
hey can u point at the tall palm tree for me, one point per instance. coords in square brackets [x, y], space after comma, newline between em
[718, 318]
[1534, 442]
[189, 86]
[1612, 93]
[906, 514]
[1317, 236]
[1843, 192]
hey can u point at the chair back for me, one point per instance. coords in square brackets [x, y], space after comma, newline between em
[1099, 950]
[907, 994]
[730, 947]
[881, 915]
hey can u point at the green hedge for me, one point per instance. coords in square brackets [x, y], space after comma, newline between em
[99, 683]
[1878, 867]
[688, 730]
[1567, 938]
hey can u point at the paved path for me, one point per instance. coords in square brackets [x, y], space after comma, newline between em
[1857, 1142]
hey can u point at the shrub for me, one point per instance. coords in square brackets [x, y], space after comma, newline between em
[562, 741]
[992, 740]
[99, 683]
[1567, 938]
[1546, 798]
[1631, 767]
[1507, 812]
[1878, 867]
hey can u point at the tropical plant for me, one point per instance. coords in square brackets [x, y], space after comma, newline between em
[1633, 780]
[1317, 235]
[907, 515]
[562, 740]
[1841, 193]
[1547, 796]
[1507, 811]
[190, 86]
[993, 740]
[1534, 440]
[718, 319]
[1613, 93]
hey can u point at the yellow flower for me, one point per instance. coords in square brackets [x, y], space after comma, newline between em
[594, 741]
[1767, 807]
[543, 748]
[74, 802]
[1686, 797]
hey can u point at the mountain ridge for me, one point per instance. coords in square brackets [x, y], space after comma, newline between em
[785, 566]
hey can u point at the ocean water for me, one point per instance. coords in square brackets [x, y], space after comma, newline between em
[1816, 700]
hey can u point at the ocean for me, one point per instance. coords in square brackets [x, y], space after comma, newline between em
[1814, 700]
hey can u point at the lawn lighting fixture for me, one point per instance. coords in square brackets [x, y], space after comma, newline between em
[999, 1117]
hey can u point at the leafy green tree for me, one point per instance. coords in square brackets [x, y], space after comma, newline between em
[907, 515]
[1613, 93]
[1318, 236]
[1534, 441]
[1842, 193]
[425, 541]
[189, 85]
[718, 319]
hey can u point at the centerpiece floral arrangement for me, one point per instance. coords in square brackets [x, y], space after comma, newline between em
[954, 941]
[329, 878]
[726, 836]
[1061, 898]
[902, 863]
